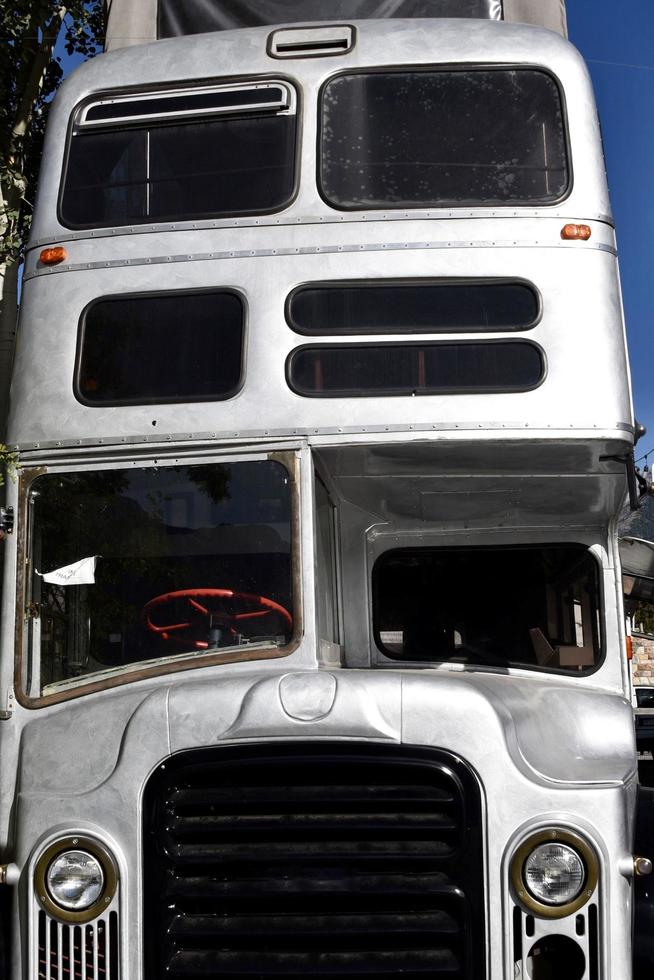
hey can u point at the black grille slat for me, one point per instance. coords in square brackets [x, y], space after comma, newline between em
[217, 927]
[243, 963]
[347, 887]
[254, 852]
[348, 822]
[292, 861]
[228, 798]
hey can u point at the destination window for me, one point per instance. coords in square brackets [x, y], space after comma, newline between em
[442, 137]
[170, 347]
[536, 607]
[412, 306]
[176, 155]
[155, 567]
[438, 368]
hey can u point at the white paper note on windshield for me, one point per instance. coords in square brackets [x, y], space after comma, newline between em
[79, 573]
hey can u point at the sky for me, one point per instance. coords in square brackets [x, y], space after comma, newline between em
[616, 37]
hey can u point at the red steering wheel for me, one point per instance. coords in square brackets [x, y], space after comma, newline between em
[220, 616]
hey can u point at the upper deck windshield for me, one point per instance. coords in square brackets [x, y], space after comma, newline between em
[130, 566]
[528, 606]
[432, 138]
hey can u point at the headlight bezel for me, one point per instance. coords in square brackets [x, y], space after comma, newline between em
[554, 835]
[76, 842]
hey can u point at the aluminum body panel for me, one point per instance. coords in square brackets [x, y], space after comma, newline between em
[242, 54]
[115, 741]
[131, 23]
[581, 334]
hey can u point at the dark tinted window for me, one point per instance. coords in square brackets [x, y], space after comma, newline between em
[423, 369]
[645, 697]
[412, 307]
[149, 562]
[218, 166]
[175, 347]
[427, 138]
[532, 606]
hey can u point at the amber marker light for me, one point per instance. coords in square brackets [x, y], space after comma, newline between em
[573, 233]
[53, 256]
[630, 648]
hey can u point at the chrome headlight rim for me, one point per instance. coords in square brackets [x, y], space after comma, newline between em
[554, 835]
[76, 842]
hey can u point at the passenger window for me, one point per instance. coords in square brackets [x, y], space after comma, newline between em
[412, 307]
[476, 136]
[167, 156]
[339, 371]
[535, 607]
[173, 347]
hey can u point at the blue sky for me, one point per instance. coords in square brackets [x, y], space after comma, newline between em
[617, 41]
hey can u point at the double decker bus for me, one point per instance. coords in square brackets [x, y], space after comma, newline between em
[312, 656]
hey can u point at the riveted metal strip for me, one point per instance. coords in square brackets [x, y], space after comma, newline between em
[304, 250]
[288, 222]
[248, 435]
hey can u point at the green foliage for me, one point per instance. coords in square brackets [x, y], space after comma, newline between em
[7, 464]
[643, 618]
[30, 72]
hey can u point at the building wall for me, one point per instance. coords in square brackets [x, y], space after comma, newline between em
[643, 662]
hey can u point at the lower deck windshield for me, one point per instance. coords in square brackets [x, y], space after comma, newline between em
[134, 565]
[532, 607]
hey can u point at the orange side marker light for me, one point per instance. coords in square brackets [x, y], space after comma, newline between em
[576, 232]
[53, 256]
[630, 648]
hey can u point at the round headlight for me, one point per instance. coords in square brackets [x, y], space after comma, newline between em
[75, 880]
[554, 873]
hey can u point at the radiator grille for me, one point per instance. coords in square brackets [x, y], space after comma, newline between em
[322, 860]
[78, 952]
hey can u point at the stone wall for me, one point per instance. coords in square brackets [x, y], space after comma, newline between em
[642, 665]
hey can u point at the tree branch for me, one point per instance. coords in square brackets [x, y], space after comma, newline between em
[35, 75]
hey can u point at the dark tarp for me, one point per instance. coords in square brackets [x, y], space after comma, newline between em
[179, 17]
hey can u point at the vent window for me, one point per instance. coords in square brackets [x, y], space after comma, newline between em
[157, 349]
[415, 369]
[441, 138]
[179, 155]
[412, 307]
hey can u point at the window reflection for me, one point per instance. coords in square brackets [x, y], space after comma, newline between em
[188, 559]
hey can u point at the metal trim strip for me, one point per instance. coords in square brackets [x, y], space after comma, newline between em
[265, 222]
[247, 435]
[305, 250]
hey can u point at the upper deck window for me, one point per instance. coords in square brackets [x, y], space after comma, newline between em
[175, 155]
[172, 347]
[413, 306]
[447, 137]
[437, 368]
